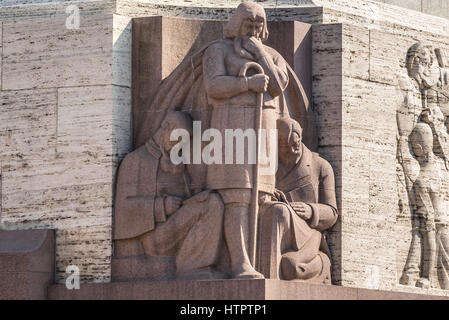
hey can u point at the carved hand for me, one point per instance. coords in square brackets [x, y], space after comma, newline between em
[280, 196]
[258, 83]
[254, 46]
[172, 204]
[303, 210]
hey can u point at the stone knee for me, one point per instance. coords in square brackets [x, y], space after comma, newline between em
[215, 205]
[279, 214]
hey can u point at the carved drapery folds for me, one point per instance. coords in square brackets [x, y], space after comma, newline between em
[423, 166]
[204, 220]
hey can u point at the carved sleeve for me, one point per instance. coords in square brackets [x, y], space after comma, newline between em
[134, 214]
[219, 85]
[325, 212]
[275, 67]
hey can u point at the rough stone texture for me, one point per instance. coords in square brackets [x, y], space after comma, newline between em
[226, 290]
[345, 104]
[121, 55]
[216, 10]
[346, 100]
[434, 7]
[409, 4]
[40, 53]
[1, 53]
[27, 263]
[65, 125]
[31, 9]
[61, 177]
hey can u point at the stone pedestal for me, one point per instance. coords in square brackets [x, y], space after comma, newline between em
[225, 290]
[27, 263]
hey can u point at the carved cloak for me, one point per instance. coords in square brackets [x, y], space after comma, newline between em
[184, 90]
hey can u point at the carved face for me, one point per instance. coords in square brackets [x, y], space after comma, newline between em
[167, 144]
[422, 67]
[426, 116]
[424, 61]
[249, 19]
[291, 150]
[422, 141]
[252, 27]
[295, 143]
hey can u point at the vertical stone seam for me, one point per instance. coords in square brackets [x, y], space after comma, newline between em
[369, 55]
[1, 57]
[337, 262]
[1, 193]
[1, 88]
[57, 122]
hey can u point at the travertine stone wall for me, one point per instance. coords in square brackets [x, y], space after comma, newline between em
[435, 7]
[64, 125]
[65, 121]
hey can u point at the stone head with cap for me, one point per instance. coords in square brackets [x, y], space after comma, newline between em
[173, 120]
[289, 140]
[249, 20]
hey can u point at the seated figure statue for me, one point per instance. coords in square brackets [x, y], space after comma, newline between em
[292, 246]
[155, 215]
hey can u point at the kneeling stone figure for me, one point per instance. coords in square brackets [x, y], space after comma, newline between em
[292, 243]
[155, 216]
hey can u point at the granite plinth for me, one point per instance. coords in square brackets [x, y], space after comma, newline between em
[260, 289]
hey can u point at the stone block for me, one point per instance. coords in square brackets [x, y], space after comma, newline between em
[121, 51]
[27, 262]
[226, 290]
[85, 126]
[87, 246]
[69, 184]
[43, 53]
[1, 50]
[436, 7]
[13, 10]
[27, 126]
[409, 4]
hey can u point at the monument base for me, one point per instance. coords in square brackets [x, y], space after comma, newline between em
[260, 289]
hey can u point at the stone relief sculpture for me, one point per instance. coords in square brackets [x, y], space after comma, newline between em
[292, 245]
[209, 220]
[423, 158]
[155, 214]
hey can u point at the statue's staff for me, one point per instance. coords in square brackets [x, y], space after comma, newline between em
[253, 213]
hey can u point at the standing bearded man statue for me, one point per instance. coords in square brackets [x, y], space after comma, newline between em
[235, 85]
[232, 95]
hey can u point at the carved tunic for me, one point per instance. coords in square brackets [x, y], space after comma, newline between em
[234, 108]
[288, 236]
[312, 181]
[137, 206]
